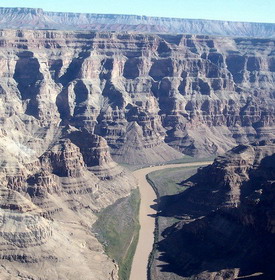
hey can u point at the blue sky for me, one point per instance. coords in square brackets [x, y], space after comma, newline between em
[235, 10]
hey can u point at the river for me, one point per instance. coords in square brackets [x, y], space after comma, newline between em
[147, 220]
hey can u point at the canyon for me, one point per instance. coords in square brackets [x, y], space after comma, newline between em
[147, 218]
[75, 104]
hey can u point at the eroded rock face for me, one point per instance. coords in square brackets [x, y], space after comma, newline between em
[46, 212]
[226, 227]
[48, 204]
[141, 93]
[70, 102]
[48, 194]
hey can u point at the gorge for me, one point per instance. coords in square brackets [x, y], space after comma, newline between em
[79, 107]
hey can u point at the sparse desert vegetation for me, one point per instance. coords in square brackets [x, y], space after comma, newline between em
[117, 229]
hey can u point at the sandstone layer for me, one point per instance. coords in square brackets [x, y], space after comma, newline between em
[48, 204]
[54, 177]
[226, 219]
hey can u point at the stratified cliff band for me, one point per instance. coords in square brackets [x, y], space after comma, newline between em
[150, 96]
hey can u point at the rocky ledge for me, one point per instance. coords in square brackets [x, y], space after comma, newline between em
[48, 205]
[71, 102]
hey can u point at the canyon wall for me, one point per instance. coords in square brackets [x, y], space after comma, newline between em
[71, 102]
[49, 201]
[225, 220]
[151, 97]
[54, 177]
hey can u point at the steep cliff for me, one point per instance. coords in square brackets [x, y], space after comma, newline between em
[52, 183]
[226, 219]
[71, 102]
[28, 18]
[150, 96]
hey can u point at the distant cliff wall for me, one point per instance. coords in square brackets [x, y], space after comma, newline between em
[28, 18]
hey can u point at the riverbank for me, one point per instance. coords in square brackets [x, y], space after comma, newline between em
[117, 229]
[147, 218]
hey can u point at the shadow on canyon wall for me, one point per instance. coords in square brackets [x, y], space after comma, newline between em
[222, 226]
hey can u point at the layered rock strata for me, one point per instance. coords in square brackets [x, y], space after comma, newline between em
[226, 219]
[70, 101]
[149, 96]
[48, 204]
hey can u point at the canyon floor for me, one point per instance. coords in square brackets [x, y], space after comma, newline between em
[147, 217]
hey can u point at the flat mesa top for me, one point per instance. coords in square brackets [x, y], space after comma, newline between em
[30, 18]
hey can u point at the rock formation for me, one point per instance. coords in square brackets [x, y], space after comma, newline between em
[47, 208]
[151, 97]
[51, 186]
[71, 102]
[226, 228]
[28, 18]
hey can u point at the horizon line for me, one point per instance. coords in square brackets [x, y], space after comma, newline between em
[115, 14]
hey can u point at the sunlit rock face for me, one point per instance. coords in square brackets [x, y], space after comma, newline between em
[73, 102]
[151, 97]
[54, 176]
